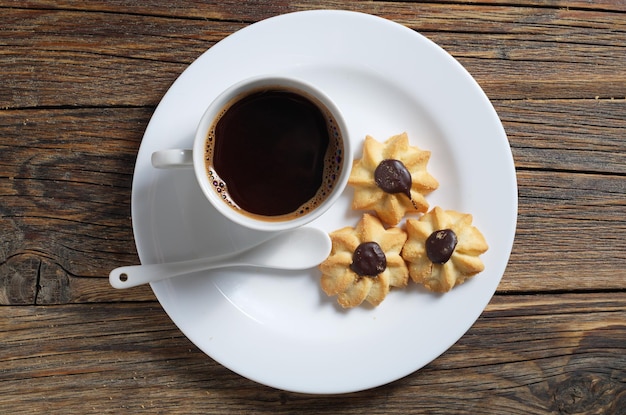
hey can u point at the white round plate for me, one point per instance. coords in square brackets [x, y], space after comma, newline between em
[279, 328]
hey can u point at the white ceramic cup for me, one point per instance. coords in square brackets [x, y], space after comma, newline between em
[196, 157]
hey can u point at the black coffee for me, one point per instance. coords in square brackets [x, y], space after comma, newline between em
[274, 153]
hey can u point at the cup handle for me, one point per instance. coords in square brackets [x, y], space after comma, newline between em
[172, 158]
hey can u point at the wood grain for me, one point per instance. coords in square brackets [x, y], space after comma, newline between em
[566, 135]
[74, 54]
[533, 354]
[65, 197]
[80, 81]
[67, 204]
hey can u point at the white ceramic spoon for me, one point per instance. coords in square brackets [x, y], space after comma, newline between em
[300, 248]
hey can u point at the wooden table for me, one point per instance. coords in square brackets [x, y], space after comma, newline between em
[79, 82]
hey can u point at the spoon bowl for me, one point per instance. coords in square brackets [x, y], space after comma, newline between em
[296, 249]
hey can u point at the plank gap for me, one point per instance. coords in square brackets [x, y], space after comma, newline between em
[568, 171]
[583, 291]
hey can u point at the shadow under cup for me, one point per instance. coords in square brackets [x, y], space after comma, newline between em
[275, 154]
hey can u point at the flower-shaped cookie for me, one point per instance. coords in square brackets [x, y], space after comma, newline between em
[442, 249]
[364, 263]
[391, 179]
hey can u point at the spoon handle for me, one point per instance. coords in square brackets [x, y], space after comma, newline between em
[300, 248]
[134, 275]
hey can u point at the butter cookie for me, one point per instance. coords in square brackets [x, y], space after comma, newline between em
[442, 249]
[364, 263]
[391, 179]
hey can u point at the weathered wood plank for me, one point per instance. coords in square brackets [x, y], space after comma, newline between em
[563, 4]
[573, 135]
[525, 355]
[252, 10]
[60, 79]
[65, 209]
[564, 220]
[70, 57]
[102, 34]
[576, 135]
[65, 186]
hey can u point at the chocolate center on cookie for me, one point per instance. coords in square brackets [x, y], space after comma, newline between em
[440, 245]
[393, 177]
[368, 260]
